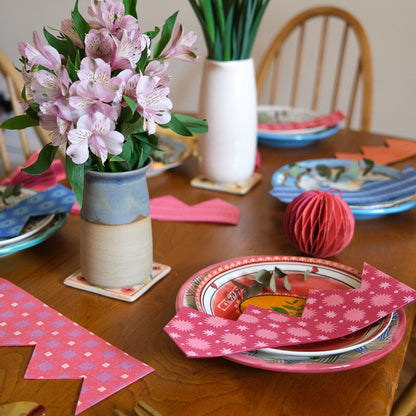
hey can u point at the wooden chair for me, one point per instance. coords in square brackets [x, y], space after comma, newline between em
[323, 74]
[14, 84]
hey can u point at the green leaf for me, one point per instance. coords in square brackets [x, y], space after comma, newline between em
[137, 125]
[280, 310]
[132, 104]
[59, 44]
[45, 159]
[354, 169]
[263, 277]
[279, 273]
[369, 165]
[167, 30]
[75, 173]
[20, 122]
[294, 171]
[306, 274]
[323, 171]
[286, 284]
[195, 125]
[255, 289]
[340, 172]
[130, 7]
[80, 25]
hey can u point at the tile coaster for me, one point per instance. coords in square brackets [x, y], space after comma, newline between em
[128, 294]
[240, 188]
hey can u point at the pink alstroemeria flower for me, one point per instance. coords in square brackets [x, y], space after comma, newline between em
[129, 49]
[99, 44]
[158, 69]
[46, 86]
[96, 133]
[181, 46]
[67, 28]
[110, 15]
[44, 55]
[96, 89]
[152, 99]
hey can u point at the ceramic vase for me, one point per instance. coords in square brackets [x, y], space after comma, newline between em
[228, 100]
[115, 232]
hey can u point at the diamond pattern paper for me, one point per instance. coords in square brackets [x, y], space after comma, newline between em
[63, 349]
[328, 314]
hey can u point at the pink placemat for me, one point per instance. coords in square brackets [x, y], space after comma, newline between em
[63, 349]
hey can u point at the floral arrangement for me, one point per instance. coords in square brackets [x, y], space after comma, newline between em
[100, 88]
[229, 26]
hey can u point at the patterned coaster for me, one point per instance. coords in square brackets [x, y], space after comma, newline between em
[240, 188]
[128, 294]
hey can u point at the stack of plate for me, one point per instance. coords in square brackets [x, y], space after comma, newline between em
[36, 230]
[173, 152]
[382, 191]
[212, 291]
[269, 118]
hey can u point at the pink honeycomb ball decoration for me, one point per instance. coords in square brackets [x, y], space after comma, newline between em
[318, 223]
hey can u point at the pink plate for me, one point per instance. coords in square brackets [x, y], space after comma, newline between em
[212, 291]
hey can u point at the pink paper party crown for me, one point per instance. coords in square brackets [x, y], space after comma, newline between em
[328, 314]
[63, 349]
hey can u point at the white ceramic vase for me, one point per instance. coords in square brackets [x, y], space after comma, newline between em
[116, 247]
[228, 100]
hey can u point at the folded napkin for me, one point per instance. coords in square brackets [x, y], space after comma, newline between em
[371, 192]
[55, 200]
[395, 150]
[51, 177]
[169, 208]
[328, 120]
[328, 314]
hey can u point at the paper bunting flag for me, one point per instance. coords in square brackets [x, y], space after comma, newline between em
[394, 151]
[169, 208]
[328, 314]
[63, 349]
[55, 200]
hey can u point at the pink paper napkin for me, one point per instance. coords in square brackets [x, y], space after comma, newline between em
[328, 120]
[395, 150]
[51, 177]
[169, 208]
[328, 314]
[63, 349]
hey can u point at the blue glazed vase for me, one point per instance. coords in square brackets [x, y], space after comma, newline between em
[115, 230]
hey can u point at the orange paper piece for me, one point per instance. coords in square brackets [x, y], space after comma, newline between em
[395, 150]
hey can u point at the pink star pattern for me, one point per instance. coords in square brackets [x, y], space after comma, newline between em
[334, 313]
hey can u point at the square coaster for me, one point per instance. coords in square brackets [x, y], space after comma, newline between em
[240, 188]
[128, 294]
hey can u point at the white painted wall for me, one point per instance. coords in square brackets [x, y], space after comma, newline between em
[390, 25]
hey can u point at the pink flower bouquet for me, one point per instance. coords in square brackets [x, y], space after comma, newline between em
[100, 89]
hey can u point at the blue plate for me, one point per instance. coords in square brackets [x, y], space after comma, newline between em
[383, 191]
[295, 140]
[38, 238]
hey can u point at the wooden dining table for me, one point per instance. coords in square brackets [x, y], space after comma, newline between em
[211, 386]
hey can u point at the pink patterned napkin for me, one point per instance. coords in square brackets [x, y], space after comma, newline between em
[51, 177]
[328, 314]
[395, 150]
[63, 349]
[169, 208]
[328, 120]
